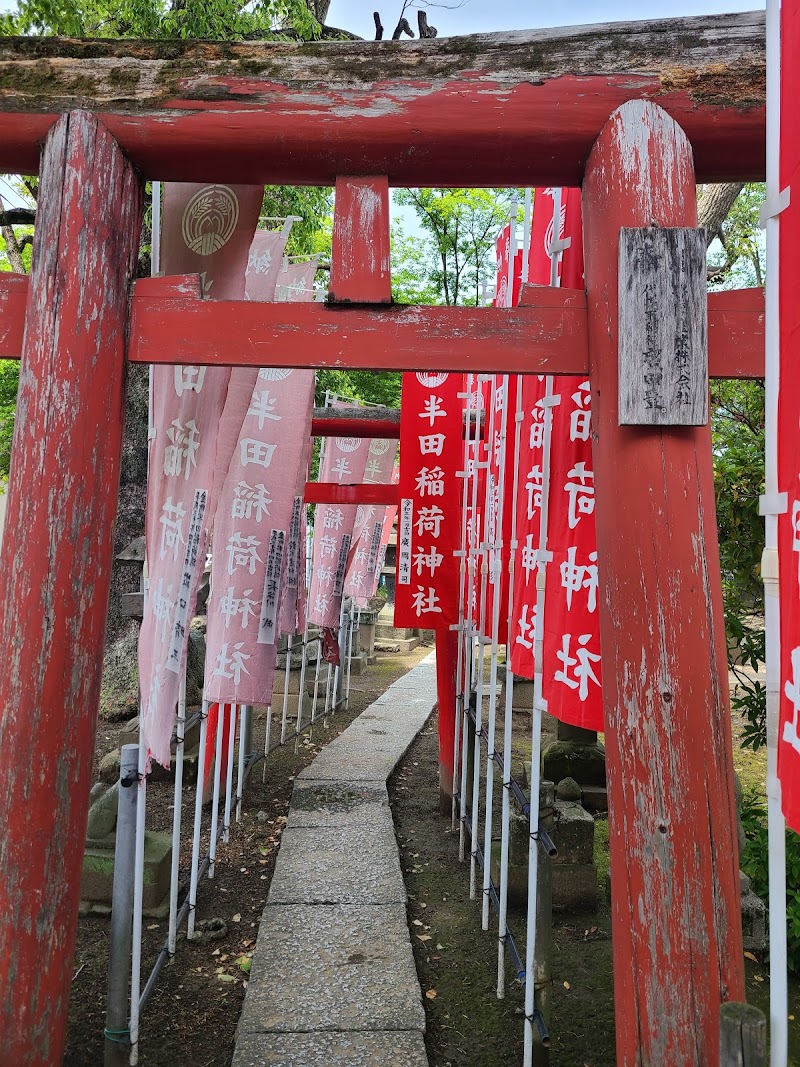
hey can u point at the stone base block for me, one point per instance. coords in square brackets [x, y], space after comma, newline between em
[566, 759]
[384, 632]
[517, 878]
[97, 880]
[595, 798]
[401, 644]
[573, 834]
[574, 886]
[754, 918]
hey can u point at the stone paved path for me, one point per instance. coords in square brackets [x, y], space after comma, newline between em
[333, 982]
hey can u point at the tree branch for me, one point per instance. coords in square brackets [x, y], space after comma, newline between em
[17, 216]
[13, 250]
[714, 206]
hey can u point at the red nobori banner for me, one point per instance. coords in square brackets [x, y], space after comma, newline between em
[571, 630]
[429, 527]
[788, 430]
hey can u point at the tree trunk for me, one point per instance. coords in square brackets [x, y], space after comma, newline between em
[714, 206]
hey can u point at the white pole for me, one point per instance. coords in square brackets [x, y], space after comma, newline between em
[539, 706]
[526, 233]
[505, 826]
[286, 673]
[176, 818]
[316, 680]
[300, 695]
[461, 687]
[232, 717]
[497, 573]
[212, 847]
[246, 712]
[138, 893]
[470, 666]
[198, 818]
[476, 762]
[771, 506]
[337, 669]
[267, 733]
[349, 647]
[555, 253]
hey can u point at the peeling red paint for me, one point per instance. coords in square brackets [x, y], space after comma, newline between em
[674, 871]
[55, 568]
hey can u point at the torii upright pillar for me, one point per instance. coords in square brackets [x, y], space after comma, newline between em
[55, 567]
[674, 865]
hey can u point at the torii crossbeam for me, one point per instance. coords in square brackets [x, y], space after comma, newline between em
[480, 111]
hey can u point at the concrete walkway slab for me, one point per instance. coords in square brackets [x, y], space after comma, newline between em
[333, 967]
[333, 980]
[338, 804]
[351, 865]
[383, 1049]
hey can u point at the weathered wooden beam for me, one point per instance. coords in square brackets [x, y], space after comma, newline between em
[504, 109]
[735, 325]
[736, 333]
[168, 325]
[363, 493]
[360, 267]
[13, 297]
[55, 568]
[324, 426]
[674, 871]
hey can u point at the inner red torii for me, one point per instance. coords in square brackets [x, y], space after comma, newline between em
[676, 935]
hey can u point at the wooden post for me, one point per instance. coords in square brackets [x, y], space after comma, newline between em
[446, 662]
[674, 865]
[360, 267]
[742, 1036]
[55, 568]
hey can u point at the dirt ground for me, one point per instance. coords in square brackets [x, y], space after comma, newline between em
[192, 1016]
[457, 961]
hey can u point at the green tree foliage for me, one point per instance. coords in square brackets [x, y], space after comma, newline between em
[736, 259]
[462, 225]
[225, 20]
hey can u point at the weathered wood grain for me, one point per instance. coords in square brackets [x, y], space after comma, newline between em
[506, 109]
[550, 338]
[674, 865]
[13, 297]
[663, 327]
[360, 266]
[362, 493]
[735, 324]
[55, 567]
[742, 1036]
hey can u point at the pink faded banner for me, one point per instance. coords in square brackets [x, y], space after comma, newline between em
[361, 579]
[345, 461]
[207, 229]
[257, 529]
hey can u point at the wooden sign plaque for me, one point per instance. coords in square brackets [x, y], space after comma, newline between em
[663, 327]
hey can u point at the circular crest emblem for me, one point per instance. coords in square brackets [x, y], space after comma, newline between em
[209, 219]
[379, 447]
[273, 374]
[430, 380]
[348, 444]
[360, 515]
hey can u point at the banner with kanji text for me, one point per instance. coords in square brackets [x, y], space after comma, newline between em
[429, 525]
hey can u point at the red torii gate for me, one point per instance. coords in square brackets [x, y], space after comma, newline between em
[490, 111]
